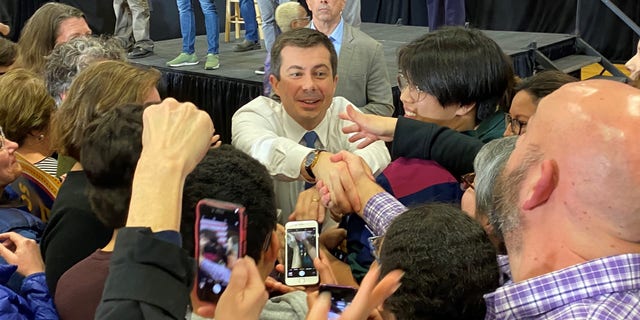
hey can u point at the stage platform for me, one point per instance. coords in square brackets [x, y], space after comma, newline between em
[221, 92]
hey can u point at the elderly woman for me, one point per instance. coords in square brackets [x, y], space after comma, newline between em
[25, 112]
[74, 232]
[18, 230]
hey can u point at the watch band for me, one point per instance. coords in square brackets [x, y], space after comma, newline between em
[309, 168]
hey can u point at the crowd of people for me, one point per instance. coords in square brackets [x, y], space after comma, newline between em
[492, 197]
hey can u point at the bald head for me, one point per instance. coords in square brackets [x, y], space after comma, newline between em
[591, 129]
[574, 176]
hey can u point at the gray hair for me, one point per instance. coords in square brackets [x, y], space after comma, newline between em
[68, 59]
[488, 165]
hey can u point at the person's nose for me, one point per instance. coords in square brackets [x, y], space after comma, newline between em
[309, 83]
[405, 95]
[10, 145]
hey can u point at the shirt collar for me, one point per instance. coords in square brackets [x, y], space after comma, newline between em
[336, 35]
[296, 132]
[537, 296]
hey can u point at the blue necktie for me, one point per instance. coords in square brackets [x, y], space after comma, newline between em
[310, 141]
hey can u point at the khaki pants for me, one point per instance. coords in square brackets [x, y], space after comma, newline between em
[132, 23]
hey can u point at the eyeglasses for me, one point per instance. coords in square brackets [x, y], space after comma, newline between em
[416, 93]
[468, 181]
[517, 127]
[375, 244]
[2, 139]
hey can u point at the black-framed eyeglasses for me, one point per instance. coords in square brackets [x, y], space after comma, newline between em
[2, 138]
[468, 181]
[518, 127]
[414, 91]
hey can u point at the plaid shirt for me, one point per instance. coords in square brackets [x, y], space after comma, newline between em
[380, 210]
[605, 288]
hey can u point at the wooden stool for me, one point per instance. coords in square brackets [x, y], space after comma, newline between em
[233, 18]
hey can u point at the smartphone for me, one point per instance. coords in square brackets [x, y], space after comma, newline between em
[341, 297]
[220, 242]
[301, 249]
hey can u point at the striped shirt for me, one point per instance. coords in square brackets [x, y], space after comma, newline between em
[48, 165]
[380, 210]
[605, 288]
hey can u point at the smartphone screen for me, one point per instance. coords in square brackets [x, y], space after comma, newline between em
[220, 240]
[302, 244]
[341, 297]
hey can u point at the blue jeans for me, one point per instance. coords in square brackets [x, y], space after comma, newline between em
[188, 25]
[269, 27]
[248, 13]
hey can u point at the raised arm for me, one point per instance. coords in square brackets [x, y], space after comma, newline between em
[415, 139]
[254, 132]
[150, 275]
[452, 150]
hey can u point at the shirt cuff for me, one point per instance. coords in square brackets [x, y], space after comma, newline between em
[380, 211]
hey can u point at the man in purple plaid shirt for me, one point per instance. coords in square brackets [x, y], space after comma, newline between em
[566, 205]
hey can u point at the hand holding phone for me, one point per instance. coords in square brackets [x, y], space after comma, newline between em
[301, 249]
[220, 239]
[341, 297]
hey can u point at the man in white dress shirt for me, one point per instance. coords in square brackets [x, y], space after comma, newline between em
[295, 138]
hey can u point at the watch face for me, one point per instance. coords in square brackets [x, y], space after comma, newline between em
[309, 160]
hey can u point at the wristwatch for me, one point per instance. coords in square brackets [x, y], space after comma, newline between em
[311, 161]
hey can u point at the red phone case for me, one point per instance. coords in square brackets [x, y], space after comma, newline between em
[242, 224]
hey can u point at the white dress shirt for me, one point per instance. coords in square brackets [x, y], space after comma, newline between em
[263, 129]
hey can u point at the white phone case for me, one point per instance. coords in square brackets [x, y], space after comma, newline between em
[301, 248]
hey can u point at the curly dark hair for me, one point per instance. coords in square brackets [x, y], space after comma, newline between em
[110, 151]
[228, 174]
[448, 260]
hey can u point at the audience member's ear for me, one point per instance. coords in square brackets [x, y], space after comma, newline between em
[546, 181]
[271, 254]
[464, 109]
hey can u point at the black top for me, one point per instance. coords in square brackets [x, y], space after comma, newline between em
[74, 232]
[451, 149]
[149, 277]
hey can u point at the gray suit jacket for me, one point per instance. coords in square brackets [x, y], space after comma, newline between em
[362, 73]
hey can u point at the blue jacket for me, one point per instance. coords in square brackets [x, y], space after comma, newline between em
[25, 224]
[34, 302]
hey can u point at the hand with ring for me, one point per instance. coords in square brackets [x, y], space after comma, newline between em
[308, 207]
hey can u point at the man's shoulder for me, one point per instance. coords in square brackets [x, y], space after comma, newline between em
[608, 283]
[338, 105]
[261, 104]
[358, 36]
